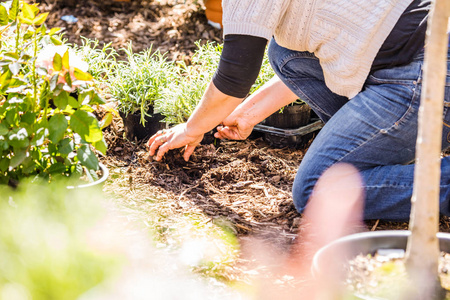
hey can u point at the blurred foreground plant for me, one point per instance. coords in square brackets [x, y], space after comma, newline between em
[44, 247]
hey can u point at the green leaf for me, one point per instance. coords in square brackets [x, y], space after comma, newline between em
[61, 100]
[28, 117]
[14, 68]
[29, 166]
[3, 16]
[57, 62]
[40, 19]
[81, 75]
[14, 10]
[73, 102]
[106, 121]
[68, 79]
[12, 56]
[66, 146]
[4, 145]
[57, 168]
[25, 20]
[87, 157]
[12, 117]
[4, 164]
[65, 60]
[56, 41]
[28, 35]
[43, 29]
[54, 82]
[5, 79]
[39, 138]
[57, 126]
[18, 158]
[86, 125]
[3, 129]
[101, 146]
[28, 11]
[54, 30]
[19, 139]
[97, 100]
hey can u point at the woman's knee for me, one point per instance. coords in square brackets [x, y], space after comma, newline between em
[302, 188]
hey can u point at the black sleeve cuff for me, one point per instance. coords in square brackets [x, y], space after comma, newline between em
[239, 65]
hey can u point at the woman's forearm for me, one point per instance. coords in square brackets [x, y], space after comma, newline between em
[210, 112]
[268, 99]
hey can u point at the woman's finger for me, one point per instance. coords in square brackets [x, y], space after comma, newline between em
[157, 142]
[162, 150]
[188, 152]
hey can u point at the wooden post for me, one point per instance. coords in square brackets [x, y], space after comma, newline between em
[423, 247]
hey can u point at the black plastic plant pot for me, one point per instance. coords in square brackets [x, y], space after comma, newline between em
[98, 183]
[348, 247]
[134, 128]
[292, 116]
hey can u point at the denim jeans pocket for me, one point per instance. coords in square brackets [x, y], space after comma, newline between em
[409, 75]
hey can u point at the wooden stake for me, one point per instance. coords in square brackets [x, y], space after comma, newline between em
[423, 247]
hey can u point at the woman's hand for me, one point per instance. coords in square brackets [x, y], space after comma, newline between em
[175, 137]
[233, 128]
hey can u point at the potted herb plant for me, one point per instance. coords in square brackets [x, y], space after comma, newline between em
[422, 244]
[135, 85]
[44, 130]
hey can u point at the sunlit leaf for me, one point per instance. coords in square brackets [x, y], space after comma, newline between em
[106, 120]
[56, 41]
[81, 75]
[54, 82]
[86, 125]
[57, 62]
[54, 30]
[19, 139]
[87, 157]
[65, 60]
[28, 35]
[5, 78]
[40, 19]
[101, 146]
[14, 10]
[3, 16]
[25, 20]
[28, 11]
[14, 68]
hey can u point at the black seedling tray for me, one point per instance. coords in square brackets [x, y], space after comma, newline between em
[292, 138]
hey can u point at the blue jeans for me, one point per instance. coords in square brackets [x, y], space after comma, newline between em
[375, 132]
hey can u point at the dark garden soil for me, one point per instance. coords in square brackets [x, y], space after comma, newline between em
[247, 182]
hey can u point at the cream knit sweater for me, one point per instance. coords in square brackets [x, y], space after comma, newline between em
[344, 34]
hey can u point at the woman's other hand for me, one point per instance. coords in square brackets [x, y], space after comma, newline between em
[234, 129]
[172, 138]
